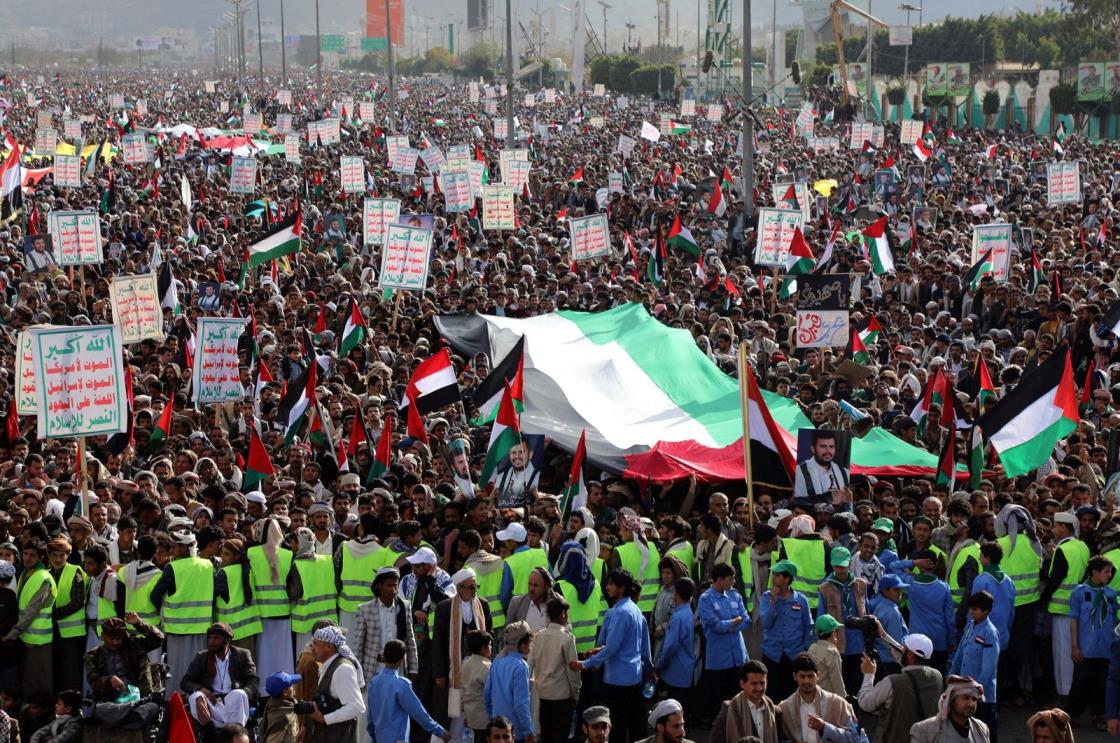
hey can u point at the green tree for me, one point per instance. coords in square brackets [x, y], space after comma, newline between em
[478, 61]
[645, 79]
[1102, 14]
[1063, 101]
[620, 73]
[817, 75]
[990, 107]
[438, 59]
[601, 69]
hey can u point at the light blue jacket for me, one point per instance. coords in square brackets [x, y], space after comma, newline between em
[391, 704]
[978, 656]
[677, 659]
[507, 692]
[625, 654]
[725, 645]
[787, 626]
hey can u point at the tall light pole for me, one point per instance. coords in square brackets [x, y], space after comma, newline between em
[260, 46]
[509, 76]
[906, 52]
[773, 49]
[605, 9]
[283, 47]
[391, 66]
[748, 120]
[318, 57]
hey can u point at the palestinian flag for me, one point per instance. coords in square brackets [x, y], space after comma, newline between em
[935, 391]
[575, 493]
[1038, 276]
[982, 268]
[264, 378]
[168, 293]
[725, 181]
[656, 263]
[359, 436]
[869, 148]
[975, 457]
[772, 448]
[116, 443]
[952, 138]
[947, 462]
[433, 385]
[859, 351]
[877, 239]
[1111, 319]
[910, 244]
[717, 204]
[829, 116]
[382, 455]
[355, 331]
[789, 200]
[283, 239]
[1060, 133]
[1025, 425]
[162, 429]
[870, 332]
[799, 261]
[986, 392]
[505, 434]
[681, 237]
[258, 466]
[679, 127]
[488, 394]
[295, 406]
[654, 405]
[577, 176]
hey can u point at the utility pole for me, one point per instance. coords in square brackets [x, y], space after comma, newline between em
[906, 53]
[260, 46]
[773, 50]
[509, 76]
[629, 36]
[390, 64]
[605, 9]
[319, 57]
[748, 120]
[283, 47]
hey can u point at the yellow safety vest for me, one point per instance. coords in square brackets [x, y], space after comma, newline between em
[808, 556]
[241, 616]
[1022, 565]
[139, 600]
[631, 561]
[599, 569]
[41, 629]
[955, 588]
[74, 623]
[357, 575]
[490, 591]
[584, 615]
[521, 564]
[190, 609]
[686, 553]
[1114, 556]
[746, 575]
[105, 610]
[1077, 559]
[270, 596]
[320, 598]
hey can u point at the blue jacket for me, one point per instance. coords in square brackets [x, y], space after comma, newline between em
[931, 611]
[507, 692]
[725, 645]
[1112, 687]
[1094, 633]
[787, 626]
[1003, 606]
[891, 619]
[677, 659]
[625, 654]
[978, 656]
[391, 704]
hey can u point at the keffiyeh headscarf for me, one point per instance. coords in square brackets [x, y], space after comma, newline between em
[584, 514]
[1013, 520]
[1054, 720]
[633, 523]
[269, 534]
[954, 687]
[512, 635]
[335, 636]
[802, 525]
[588, 538]
[571, 565]
[305, 544]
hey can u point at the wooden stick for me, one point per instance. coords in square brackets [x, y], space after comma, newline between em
[774, 294]
[744, 402]
[396, 309]
[83, 478]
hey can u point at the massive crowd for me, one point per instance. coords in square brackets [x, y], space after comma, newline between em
[336, 604]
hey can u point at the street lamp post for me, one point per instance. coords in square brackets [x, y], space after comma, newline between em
[318, 57]
[748, 121]
[260, 47]
[906, 52]
[391, 66]
[283, 49]
[509, 76]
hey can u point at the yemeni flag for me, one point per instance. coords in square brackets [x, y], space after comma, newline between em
[414, 424]
[975, 457]
[859, 351]
[987, 391]
[1038, 276]
[11, 183]
[1025, 425]
[575, 493]
[433, 385]
[162, 429]
[979, 270]
[295, 406]
[283, 239]
[877, 239]
[799, 261]
[355, 331]
[505, 434]
[1111, 319]
[168, 293]
[869, 334]
[382, 455]
[259, 464]
[952, 138]
[681, 237]
[947, 462]
[488, 394]
[772, 447]
[717, 205]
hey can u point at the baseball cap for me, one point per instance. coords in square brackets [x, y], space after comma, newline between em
[919, 645]
[826, 624]
[422, 556]
[841, 556]
[597, 714]
[275, 684]
[883, 524]
[889, 581]
[785, 566]
[514, 531]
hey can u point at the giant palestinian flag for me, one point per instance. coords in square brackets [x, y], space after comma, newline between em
[653, 405]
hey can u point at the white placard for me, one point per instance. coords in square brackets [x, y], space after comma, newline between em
[76, 236]
[599, 91]
[253, 123]
[404, 162]
[352, 170]
[433, 157]
[1063, 183]
[614, 182]
[591, 237]
[626, 145]
[715, 112]
[68, 171]
[911, 131]
[141, 106]
[291, 147]
[243, 175]
[822, 328]
[377, 215]
[800, 192]
[862, 131]
[79, 381]
[215, 376]
[365, 111]
[774, 235]
[997, 238]
[688, 107]
[135, 149]
[283, 123]
[72, 129]
[595, 122]
[393, 144]
[457, 192]
[136, 307]
[46, 140]
[284, 97]
[497, 207]
[404, 260]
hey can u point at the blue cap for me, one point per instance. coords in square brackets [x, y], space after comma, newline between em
[890, 581]
[277, 682]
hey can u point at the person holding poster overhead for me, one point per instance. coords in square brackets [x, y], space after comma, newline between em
[819, 478]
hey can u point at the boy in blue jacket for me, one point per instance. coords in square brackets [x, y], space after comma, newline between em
[676, 662]
[978, 656]
[931, 611]
[998, 583]
[1093, 611]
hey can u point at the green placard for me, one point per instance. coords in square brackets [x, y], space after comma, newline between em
[374, 44]
[1090, 81]
[332, 43]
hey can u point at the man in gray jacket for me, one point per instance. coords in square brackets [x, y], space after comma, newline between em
[956, 712]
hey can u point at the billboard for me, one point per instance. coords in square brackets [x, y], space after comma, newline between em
[478, 14]
[375, 19]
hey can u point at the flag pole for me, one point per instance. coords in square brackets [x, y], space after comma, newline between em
[744, 401]
[82, 476]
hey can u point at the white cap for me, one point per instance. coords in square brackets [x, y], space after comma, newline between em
[464, 575]
[422, 556]
[256, 496]
[919, 645]
[514, 531]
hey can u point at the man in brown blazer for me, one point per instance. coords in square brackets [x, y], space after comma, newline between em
[750, 713]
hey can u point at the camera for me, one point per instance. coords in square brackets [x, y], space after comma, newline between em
[870, 629]
[304, 708]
